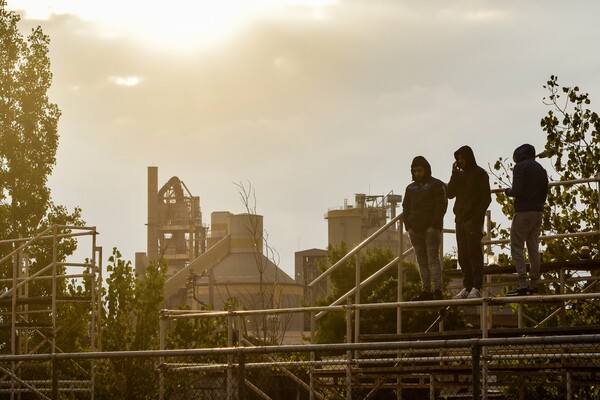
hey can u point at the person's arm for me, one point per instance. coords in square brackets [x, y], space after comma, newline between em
[485, 193]
[440, 204]
[406, 209]
[452, 189]
[518, 181]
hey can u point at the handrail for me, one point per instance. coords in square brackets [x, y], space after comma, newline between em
[367, 281]
[429, 304]
[29, 241]
[355, 250]
[544, 237]
[43, 235]
[213, 255]
[558, 183]
[38, 236]
[486, 241]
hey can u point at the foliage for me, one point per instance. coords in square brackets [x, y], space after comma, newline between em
[384, 321]
[332, 327]
[28, 145]
[572, 132]
[28, 130]
[191, 333]
[573, 143]
[131, 323]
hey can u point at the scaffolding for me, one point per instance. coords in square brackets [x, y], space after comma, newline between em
[33, 297]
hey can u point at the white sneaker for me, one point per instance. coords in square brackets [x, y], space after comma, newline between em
[474, 294]
[463, 294]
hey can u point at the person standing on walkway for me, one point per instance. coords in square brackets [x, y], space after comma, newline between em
[530, 189]
[424, 206]
[470, 185]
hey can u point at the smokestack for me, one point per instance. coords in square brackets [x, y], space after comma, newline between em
[152, 245]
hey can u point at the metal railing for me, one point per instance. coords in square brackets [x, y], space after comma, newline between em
[487, 242]
[19, 308]
[477, 368]
[343, 370]
[481, 365]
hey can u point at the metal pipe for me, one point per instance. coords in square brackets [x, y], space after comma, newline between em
[492, 301]
[475, 353]
[349, 352]
[305, 348]
[352, 252]
[400, 287]
[367, 281]
[357, 297]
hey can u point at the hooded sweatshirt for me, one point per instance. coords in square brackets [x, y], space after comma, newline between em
[530, 180]
[471, 188]
[425, 200]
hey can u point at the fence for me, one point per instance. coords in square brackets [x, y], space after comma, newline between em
[481, 362]
[552, 367]
[556, 362]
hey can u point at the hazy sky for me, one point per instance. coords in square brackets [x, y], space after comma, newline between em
[310, 101]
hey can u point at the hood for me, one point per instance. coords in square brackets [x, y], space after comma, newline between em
[467, 153]
[524, 152]
[420, 161]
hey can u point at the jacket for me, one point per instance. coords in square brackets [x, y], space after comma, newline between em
[530, 180]
[471, 188]
[425, 201]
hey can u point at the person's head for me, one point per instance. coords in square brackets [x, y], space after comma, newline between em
[420, 169]
[461, 161]
[523, 152]
[465, 158]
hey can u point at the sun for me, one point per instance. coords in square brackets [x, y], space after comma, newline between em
[176, 24]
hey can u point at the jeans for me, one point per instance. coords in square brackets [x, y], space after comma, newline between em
[525, 229]
[427, 249]
[470, 253]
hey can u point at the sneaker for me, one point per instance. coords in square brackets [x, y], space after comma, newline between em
[474, 294]
[424, 296]
[533, 290]
[519, 292]
[463, 294]
[438, 295]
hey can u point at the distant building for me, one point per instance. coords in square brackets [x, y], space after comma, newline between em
[308, 264]
[351, 224]
[175, 231]
[211, 266]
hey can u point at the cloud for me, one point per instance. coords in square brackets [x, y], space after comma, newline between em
[125, 81]
[309, 112]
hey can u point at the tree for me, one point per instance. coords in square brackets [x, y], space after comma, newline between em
[572, 133]
[132, 310]
[28, 127]
[267, 329]
[332, 327]
[28, 144]
[573, 143]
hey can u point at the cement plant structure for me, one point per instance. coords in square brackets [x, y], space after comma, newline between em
[209, 267]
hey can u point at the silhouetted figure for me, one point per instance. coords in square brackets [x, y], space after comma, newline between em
[424, 206]
[530, 190]
[470, 185]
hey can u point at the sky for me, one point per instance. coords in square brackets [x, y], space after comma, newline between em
[307, 101]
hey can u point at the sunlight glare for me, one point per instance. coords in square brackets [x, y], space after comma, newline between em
[178, 24]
